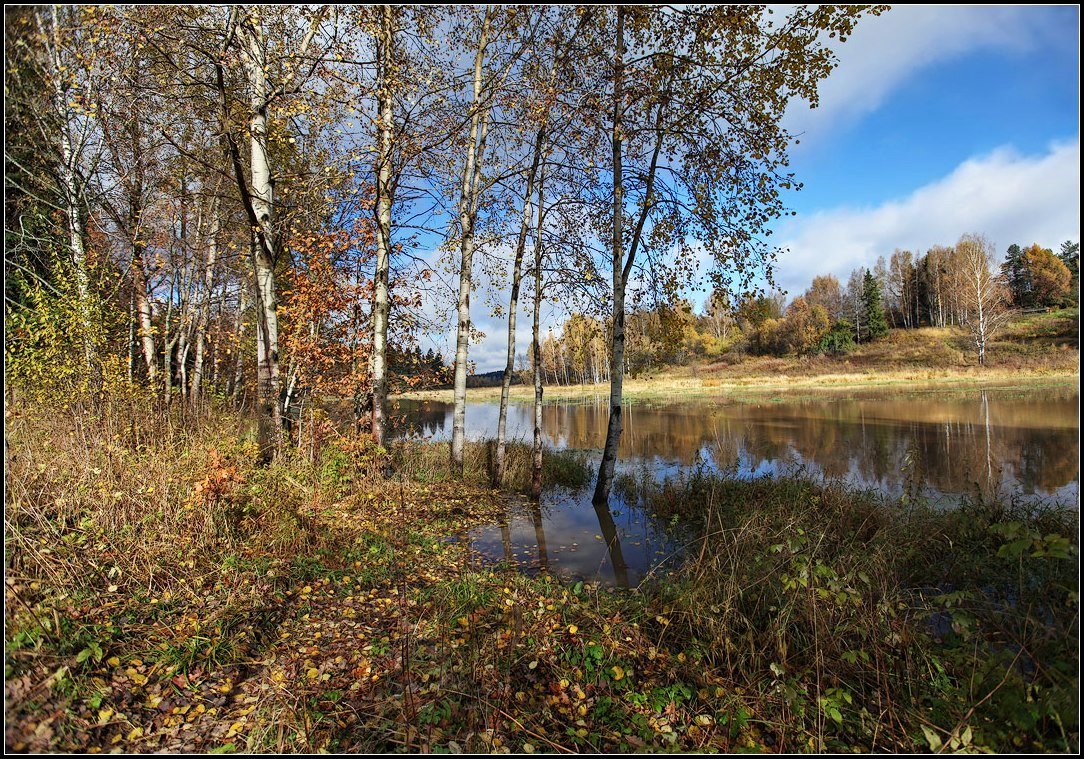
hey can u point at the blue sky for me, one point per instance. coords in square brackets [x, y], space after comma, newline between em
[939, 121]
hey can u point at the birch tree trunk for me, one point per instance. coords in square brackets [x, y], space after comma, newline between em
[536, 346]
[622, 263]
[264, 242]
[513, 307]
[468, 209]
[167, 348]
[143, 310]
[238, 362]
[71, 144]
[204, 316]
[617, 353]
[384, 199]
[135, 227]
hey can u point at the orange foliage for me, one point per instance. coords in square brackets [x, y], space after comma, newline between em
[323, 334]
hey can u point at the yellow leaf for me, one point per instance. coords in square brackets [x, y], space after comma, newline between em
[104, 715]
[619, 674]
[313, 673]
[572, 629]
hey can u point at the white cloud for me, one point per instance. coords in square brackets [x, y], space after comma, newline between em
[1004, 195]
[1008, 197]
[885, 51]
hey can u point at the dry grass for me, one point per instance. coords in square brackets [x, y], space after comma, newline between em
[1036, 349]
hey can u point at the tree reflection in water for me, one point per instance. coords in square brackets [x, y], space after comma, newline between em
[930, 445]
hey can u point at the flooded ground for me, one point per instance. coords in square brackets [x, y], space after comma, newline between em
[935, 446]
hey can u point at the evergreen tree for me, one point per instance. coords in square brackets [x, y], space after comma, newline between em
[1016, 275]
[1070, 256]
[876, 323]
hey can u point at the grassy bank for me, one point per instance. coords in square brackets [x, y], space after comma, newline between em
[164, 592]
[1035, 350]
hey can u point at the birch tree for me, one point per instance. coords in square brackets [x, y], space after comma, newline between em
[696, 96]
[469, 198]
[550, 60]
[985, 294]
[245, 32]
[385, 191]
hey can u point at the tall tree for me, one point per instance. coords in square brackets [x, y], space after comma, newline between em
[826, 293]
[855, 304]
[1048, 277]
[697, 150]
[469, 200]
[545, 64]
[1070, 256]
[387, 73]
[984, 294]
[245, 32]
[876, 324]
[1016, 275]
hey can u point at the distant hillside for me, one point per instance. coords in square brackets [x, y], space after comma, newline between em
[491, 379]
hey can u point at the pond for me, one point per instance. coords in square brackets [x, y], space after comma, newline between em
[936, 445]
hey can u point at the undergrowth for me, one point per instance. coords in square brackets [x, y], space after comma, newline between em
[167, 592]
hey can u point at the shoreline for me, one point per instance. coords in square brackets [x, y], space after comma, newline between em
[759, 387]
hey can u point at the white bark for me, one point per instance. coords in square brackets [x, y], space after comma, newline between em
[536, 461]
[617, 352]
[71, 145]
[204, 316]
[264, 241]
[468, 211]
[622, 263]
[384, 199]
[513, 307]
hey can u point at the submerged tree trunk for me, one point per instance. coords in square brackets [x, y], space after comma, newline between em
[536, 347]
[468, 209]
[613, 544]
[384, 190]
[540, 537]
[617, 353]
[622, 263]
[513, 307]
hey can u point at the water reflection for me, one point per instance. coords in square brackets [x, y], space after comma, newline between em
[923, 445]
[618, 545]
[995, 441]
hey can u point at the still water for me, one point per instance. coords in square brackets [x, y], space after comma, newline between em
[934, 445]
